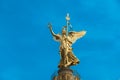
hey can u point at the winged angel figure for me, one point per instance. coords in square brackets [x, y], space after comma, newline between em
[66, 41]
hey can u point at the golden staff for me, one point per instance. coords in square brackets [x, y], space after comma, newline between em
[67, 20]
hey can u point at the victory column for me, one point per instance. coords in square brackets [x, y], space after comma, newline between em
[66, 39]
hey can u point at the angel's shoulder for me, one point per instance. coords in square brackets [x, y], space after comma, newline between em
[58, 35]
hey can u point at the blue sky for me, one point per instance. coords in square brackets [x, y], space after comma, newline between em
[28, 51]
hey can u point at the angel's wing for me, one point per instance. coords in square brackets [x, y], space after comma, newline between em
[73, 36]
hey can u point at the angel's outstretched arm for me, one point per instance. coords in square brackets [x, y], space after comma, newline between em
[56, 36]
[50, 27]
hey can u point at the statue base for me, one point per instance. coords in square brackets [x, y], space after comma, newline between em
[66, 74]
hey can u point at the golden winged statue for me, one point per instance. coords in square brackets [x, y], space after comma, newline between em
[66, 41]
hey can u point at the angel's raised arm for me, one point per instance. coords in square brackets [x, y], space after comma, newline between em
[50, 27]
[56, 36]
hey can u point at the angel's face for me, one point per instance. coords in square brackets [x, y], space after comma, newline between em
[63, 32]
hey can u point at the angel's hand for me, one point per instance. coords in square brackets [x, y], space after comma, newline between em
[50, 25]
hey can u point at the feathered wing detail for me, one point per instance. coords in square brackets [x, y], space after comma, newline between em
[73, 36]
[57, 37]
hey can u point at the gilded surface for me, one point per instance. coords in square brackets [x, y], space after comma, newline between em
[66, 53]
[66, 40]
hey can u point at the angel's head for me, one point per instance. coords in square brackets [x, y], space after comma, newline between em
[63, 30]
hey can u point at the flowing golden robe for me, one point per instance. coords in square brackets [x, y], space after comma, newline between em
[66, 54]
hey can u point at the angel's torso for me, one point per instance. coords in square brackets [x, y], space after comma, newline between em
[65, 42]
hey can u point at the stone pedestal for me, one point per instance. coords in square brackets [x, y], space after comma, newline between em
[65, 74]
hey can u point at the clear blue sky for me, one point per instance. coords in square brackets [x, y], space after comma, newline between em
[28, 52]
